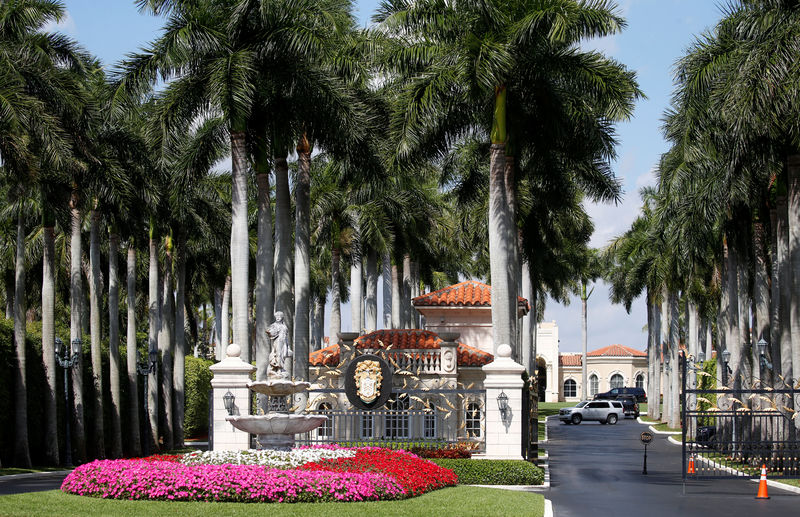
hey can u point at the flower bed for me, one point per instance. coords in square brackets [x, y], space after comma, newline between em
[416, 475]
[322, 474]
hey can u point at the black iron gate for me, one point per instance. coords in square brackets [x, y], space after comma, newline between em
[530, 424]
[732, 432]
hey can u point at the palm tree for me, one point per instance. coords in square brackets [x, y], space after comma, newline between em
[464, 67]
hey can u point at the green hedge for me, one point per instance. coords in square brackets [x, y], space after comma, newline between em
[493, 472]
[198, 382]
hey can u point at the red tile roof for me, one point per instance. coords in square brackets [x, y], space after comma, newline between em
[401, 339]
[617, 351]
[569, 360]
[465, 294]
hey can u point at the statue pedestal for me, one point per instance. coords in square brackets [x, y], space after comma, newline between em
[231, 374]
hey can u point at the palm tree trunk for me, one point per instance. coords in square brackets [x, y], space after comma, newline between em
[387, 289]
[49, 334]
[500, 251]
[653, 400]
[371, 301]
[317, 323]
[793, 223]
[356, 296]
[179, 370]
[775, 296]
[240, 245]
[265, 301]
[584, 339]
[8, 281]
[405, 293]
[219, 348]
[397, 320]
[784, 281]
[154, 322]
[527, 360]
[166, 343]
[132, 346]
[22, 457]
[733, 338]
[336, 304]
[75, 304]
[283, 244]
[96, 329]
[650, 351]
[414, 293]
[225, 326]
[664, 350]
[113, 345]
[513, 245]
[674, 348]
[302, 261]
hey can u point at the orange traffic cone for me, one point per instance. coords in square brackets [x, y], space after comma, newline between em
[762, 484]
[690, 469]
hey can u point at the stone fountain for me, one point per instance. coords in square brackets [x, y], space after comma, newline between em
[275, 429]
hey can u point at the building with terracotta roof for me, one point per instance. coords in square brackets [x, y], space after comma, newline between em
[608, 367]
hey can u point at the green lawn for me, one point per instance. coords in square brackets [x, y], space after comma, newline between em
[455, 501]
[551, 408]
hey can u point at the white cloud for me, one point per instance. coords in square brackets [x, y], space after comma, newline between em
[66, 25]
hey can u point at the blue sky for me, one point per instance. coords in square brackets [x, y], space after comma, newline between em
[658, 33]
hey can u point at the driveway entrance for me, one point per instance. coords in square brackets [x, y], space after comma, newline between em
[596, 470]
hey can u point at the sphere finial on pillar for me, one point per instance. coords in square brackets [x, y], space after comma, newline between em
[233, 350]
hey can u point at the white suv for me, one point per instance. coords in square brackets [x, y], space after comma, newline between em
[603, 411]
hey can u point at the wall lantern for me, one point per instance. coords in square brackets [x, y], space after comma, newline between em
[762, 354]
[701, 357]
[502, 404]
[228, 399]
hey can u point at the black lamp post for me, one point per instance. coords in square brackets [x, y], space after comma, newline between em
[145, 368]
[67, 361]
[701, 357]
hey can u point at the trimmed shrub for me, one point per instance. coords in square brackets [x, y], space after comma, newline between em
[198, 383]
[451, 451]
[493, 472]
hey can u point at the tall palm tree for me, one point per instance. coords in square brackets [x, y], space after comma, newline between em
[462, 65]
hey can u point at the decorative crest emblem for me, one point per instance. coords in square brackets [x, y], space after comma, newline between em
[368, 379]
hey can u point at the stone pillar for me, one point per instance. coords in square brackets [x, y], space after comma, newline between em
[231, 374]
[504, 433]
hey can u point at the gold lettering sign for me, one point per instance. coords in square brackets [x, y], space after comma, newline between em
[368, 379]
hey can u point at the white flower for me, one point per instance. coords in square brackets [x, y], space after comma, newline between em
[266, 458]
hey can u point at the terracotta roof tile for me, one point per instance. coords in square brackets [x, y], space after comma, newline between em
[328, 356]
[465, 294]
[570, 360]
[471, 356]
[617, 351]
[400, 339]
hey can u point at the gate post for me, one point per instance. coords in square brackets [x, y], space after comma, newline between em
[231, 374]
[504, 418]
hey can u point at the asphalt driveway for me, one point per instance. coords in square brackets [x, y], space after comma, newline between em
[597, 470]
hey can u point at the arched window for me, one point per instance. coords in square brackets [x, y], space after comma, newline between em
[594, 385]
[473, 419]
[640, 381]
[397, 417]
[326, 429]
[617, 381]
[570, 388]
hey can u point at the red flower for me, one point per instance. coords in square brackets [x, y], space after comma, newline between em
[414, 474]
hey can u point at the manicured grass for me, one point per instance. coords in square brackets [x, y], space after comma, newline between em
[792, 482]
[12, 471]
[551, 408]
[455, 501]
[665, 427]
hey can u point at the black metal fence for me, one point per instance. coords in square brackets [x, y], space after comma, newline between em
[426, 418]
[731, 433]
[530, 422]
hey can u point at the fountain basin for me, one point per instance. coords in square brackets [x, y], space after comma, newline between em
[278, 387]
[276, 430]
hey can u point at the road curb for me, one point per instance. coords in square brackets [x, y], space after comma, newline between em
[29, 475]
[548, 508]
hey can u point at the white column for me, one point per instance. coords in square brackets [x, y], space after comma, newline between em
[503, 433]
[231, 374]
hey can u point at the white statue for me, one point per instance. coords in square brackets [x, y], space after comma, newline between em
[281, 351]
